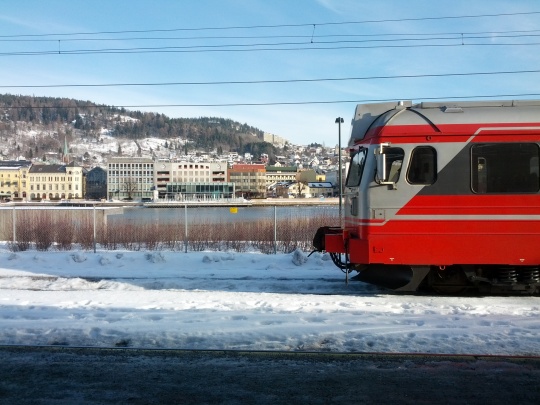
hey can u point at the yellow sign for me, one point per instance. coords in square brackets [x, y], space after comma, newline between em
[234, 210]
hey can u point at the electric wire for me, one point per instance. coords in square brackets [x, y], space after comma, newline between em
[210, 48]
[313, 42]
[460, 38]
[249, 27]
[275, 81]
[259, 104]
[483, 34]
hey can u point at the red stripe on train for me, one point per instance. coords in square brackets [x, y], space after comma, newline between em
[479, 204]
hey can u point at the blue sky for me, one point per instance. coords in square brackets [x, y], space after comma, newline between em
[327, 37]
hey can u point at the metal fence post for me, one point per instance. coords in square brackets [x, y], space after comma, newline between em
[14, 220]
[185, 229]
[94, 228]
[275, 229]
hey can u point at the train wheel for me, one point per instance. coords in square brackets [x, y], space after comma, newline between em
[448, 280]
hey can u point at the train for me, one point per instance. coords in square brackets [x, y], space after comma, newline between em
[441, 196]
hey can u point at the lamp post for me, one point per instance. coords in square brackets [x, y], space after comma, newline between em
[339, 121]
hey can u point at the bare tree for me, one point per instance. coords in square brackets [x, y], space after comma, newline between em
[302, 188]
[130, 186]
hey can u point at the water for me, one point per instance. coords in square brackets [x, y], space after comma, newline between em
[221, 214]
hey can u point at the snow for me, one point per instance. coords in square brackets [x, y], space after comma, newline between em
[244, 301]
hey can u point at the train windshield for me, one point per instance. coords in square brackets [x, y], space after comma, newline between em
[356, 168]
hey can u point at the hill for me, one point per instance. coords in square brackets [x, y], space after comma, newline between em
[39, 127]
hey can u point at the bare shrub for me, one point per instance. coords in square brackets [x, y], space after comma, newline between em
[42, 230]
[130, 236]
[170, 236]
[23, 234]
[110, 238]
[85, 233]
[266, 247]
[63, 233]
[151, 234]
[197, 237]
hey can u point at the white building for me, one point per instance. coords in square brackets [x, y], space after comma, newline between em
[167, 173]
[130, 178]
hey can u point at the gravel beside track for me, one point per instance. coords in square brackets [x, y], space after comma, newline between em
[62, 375]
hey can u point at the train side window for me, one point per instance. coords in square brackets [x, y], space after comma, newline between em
[394, 163]
[423, 166]
[356, 168]
[505, 168]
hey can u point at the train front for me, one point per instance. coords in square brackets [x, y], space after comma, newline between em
[374, 166]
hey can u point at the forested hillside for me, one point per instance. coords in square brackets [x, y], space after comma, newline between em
[65, 116]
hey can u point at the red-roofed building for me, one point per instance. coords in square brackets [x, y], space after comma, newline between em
[249, 180]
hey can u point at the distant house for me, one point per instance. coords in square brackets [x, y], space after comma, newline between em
[283, 189]
[320, 189]
[301, 189]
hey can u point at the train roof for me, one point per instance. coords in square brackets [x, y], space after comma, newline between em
[434, 113]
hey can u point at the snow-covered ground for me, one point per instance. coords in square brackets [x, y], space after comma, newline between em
[248, 301]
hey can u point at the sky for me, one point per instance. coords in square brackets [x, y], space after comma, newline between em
[286, 67]
[241, 301]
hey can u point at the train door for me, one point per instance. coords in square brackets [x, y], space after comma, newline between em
[385, 191]
[352, 183]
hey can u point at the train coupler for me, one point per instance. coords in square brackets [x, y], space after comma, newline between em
[319, 240]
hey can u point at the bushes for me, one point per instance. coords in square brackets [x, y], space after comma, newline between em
[57, 229]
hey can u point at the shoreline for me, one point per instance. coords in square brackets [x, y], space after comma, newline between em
[267, 202]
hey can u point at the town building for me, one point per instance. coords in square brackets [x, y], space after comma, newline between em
[190, 180]
[199, 191]
[55, 182]
[249, 180]
[276, 174]
[319, 189]
[275, 140]
[13, 179]
[310, 175]
[96, 184]
[130, 178]
[300, 189]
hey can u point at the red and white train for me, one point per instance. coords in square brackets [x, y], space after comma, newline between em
[442, 196]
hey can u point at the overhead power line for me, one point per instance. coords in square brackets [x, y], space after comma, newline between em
[307, 42]
[249, 27]
[263, 104]
[198, 49]
[276, 81]
[405, 36]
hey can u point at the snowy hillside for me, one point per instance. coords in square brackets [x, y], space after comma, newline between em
[94, 149]
[40, 128]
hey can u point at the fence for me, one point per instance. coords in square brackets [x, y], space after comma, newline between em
[188, 230]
